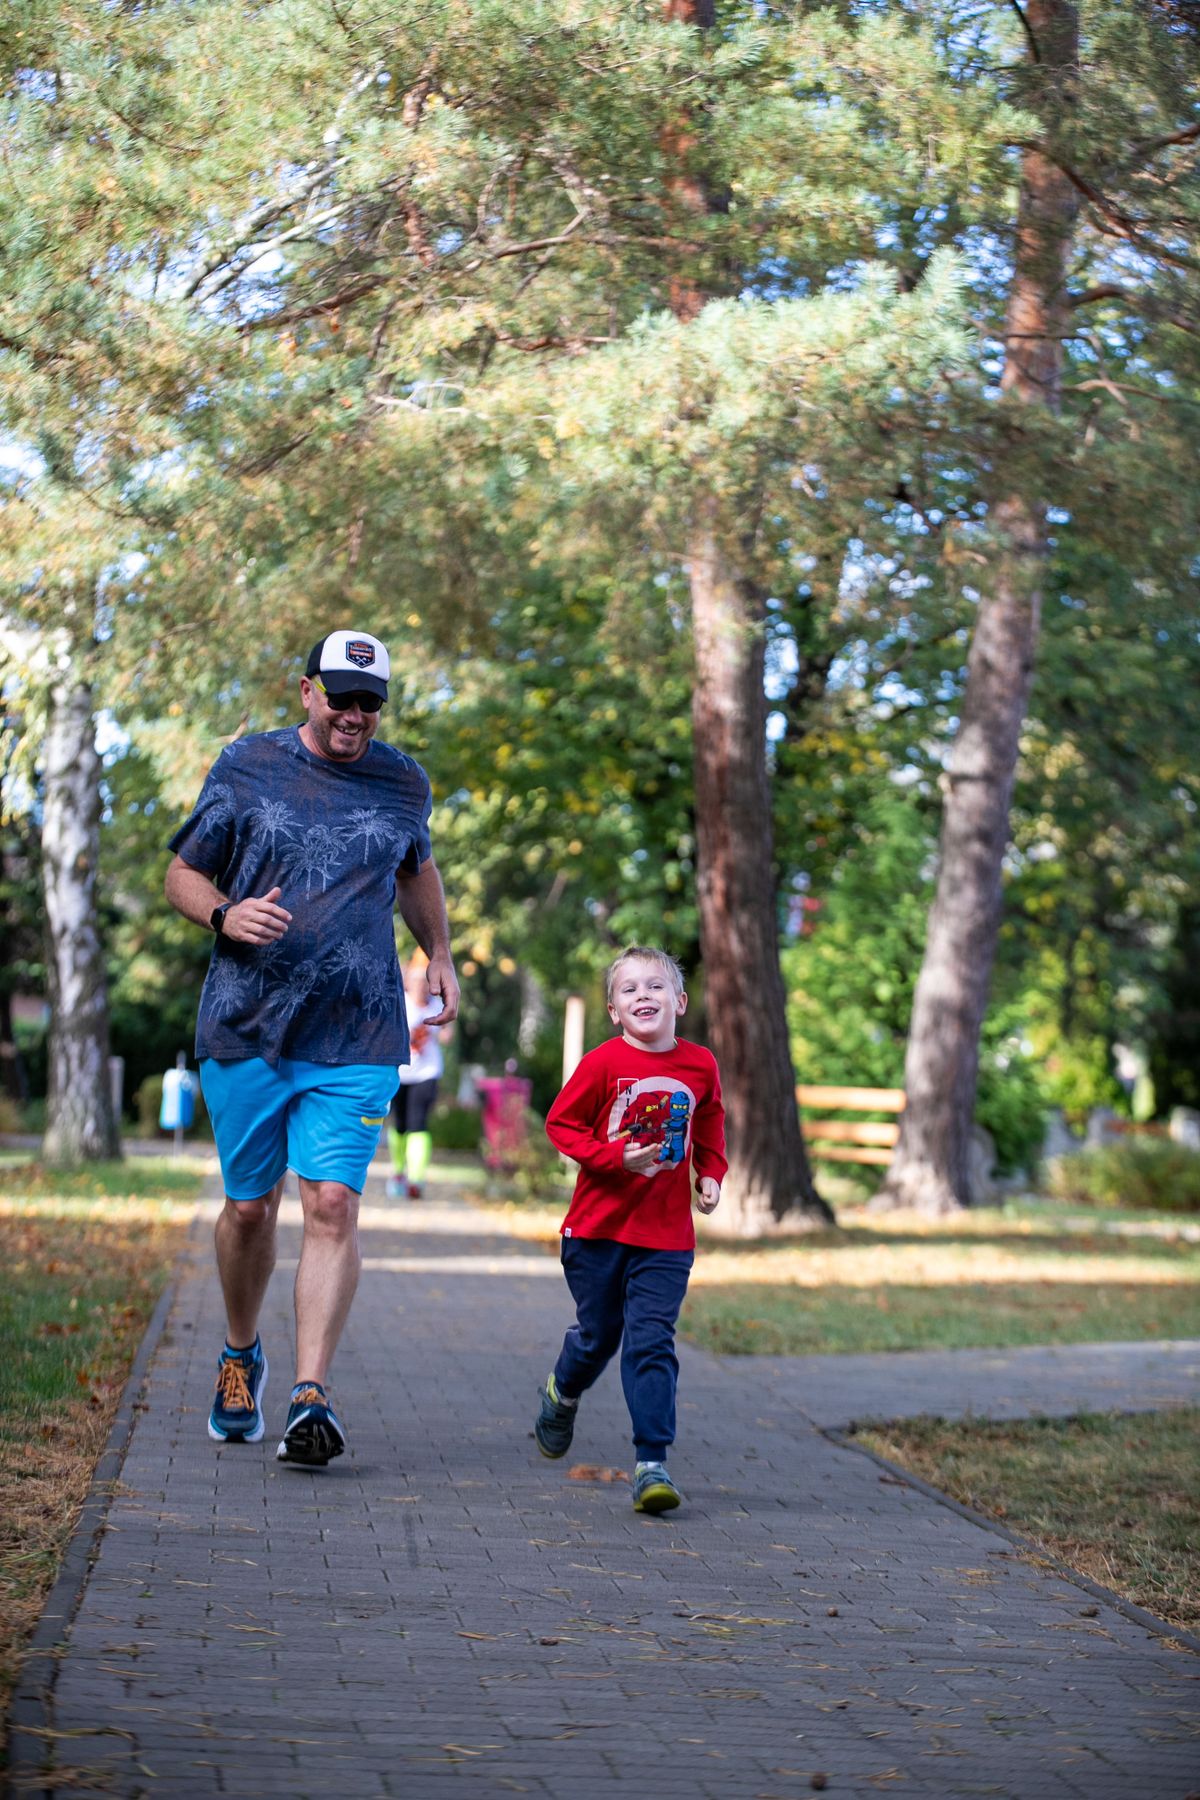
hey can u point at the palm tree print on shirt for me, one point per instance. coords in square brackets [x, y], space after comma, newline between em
[368, 823]
[289, 996]
[377, 988]
[225, 987]
[319, 852]
[220, 808]
[349, 958]
[271, 958]
[268, 819]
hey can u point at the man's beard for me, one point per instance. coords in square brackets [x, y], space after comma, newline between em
[323, 735]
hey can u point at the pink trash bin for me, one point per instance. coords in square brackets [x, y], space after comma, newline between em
[505, 1101]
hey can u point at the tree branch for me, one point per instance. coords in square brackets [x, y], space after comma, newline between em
[1035, 54]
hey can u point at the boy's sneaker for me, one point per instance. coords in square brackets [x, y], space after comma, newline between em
[554, 1426]
[313, 1433]
[397, 1188]
[414, 1190]
[236, 1416]
[653, 1489]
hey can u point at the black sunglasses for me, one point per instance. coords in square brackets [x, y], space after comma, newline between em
[368, 703]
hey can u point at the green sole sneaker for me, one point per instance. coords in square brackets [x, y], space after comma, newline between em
[554, 1426]
[655, 1492]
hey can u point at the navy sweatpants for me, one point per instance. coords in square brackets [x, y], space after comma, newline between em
[625, 1292]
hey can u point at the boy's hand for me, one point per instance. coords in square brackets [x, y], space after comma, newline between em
[641, 1159]
[708, 1195]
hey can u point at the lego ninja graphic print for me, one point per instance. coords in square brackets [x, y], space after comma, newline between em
[650, 1112]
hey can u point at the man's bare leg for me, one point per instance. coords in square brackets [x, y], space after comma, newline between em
[245, 1238]
[330, 1261]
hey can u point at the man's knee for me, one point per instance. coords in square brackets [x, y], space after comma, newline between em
[249, 1218]
[330, 1208]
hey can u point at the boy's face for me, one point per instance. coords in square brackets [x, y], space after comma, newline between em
[645, 1003]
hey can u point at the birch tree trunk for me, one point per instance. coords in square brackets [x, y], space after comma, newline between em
[769, 1178]
[930, 1167]
[80, 1123]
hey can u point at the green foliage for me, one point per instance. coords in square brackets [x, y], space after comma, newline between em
[850, 980]
[455, 1127]
[1010, 1103]
[1146, 1173]
[532, 1172]
[310, 311]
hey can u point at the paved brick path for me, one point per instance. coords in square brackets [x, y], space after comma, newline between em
[442, 1609]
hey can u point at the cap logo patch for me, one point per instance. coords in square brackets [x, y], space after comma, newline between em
[360, 653]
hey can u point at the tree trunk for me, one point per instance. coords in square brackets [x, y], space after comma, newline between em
[80, 1124]
[769, 1178]
[930, 1167]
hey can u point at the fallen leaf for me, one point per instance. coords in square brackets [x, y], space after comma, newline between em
[595, 1472]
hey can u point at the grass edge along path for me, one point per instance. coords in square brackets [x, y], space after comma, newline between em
[86, 1253]
[1115, 1496]
[1027, 1273]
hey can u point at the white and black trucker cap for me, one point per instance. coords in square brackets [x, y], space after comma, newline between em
[350, 662]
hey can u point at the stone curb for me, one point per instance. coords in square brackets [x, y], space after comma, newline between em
[1157, 1627]
[31, 1710]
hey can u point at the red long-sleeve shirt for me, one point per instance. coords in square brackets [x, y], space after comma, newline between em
[618, 1092]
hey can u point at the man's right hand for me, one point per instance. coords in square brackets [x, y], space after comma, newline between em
[257, 921]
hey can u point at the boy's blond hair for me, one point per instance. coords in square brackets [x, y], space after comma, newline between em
[643, 953]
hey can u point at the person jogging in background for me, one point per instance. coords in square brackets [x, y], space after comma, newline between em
[301, 843]
[409, 1139]
[636, 1115]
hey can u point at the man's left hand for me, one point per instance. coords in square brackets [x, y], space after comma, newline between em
[443, 985]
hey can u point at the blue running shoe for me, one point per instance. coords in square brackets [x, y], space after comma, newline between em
[313, 1433]
[653, 1489]
[237, 1416]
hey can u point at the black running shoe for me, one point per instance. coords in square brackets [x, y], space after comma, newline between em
[554, 1426]
[313, 1434]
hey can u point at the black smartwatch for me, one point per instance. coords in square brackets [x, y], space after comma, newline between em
[217, 916]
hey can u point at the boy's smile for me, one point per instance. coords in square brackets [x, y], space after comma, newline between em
[646, 1004]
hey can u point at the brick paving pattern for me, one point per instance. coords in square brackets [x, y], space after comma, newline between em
[443, 1610]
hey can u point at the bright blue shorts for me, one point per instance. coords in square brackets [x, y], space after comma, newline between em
[323, 1122]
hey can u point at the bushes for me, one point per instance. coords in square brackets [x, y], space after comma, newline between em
[1151, 1173]
[532, 1171]
[455, 1127]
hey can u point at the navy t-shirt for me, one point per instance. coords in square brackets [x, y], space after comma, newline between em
[332, 836]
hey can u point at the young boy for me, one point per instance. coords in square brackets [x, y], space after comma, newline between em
[632, 1115]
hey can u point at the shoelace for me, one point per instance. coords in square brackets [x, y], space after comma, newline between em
[307, 1395]
[233, 1388]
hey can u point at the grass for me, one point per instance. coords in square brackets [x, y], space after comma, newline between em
[1115, 1497]
[997, 1278]
[85, 1253]
[1030, 1272]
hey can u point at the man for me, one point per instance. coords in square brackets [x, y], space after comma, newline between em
[300, 843]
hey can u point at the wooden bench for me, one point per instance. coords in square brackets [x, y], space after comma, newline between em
[850, 1140]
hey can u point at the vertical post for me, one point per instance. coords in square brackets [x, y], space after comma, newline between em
[573, 1021]
[181, 1065]
[116, 1082]
[572, 1036]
